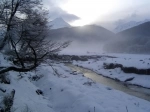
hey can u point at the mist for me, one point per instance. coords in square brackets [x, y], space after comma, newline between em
[78, 48]
[89, 38]
[133, 40]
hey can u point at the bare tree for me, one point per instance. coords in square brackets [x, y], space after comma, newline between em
[25, 25]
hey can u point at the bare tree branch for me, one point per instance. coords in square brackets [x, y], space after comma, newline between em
[25, 34]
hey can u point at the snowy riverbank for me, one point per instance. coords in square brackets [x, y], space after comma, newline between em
[137, 61]
[64, 91]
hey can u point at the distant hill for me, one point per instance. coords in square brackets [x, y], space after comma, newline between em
[141, 30]
[84, 33]
[88, 38]
[133, 40]
[58, 23]
[130, 24]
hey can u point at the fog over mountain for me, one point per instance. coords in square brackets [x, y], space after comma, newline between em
[135, 37]
[86, 38]
[133, 40]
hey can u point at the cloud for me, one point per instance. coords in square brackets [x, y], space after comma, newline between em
[134, 14]
[69, 17]
[131, 16]
[54, 2]
[55, 11]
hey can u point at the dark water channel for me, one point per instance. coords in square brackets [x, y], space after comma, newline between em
[139, 92]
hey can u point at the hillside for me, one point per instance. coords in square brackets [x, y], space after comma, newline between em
[133, 40]
[140, 30]
[88, 33]
[128, 25]
[88, 38]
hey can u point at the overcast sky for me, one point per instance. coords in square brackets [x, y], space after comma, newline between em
[82, 12]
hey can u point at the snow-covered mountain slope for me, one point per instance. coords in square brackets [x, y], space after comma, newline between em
[125, 26]
[59, 23]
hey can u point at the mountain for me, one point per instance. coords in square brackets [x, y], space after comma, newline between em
[86, 38]
[84, 33]
[133, 40]
[58, 23]
[122, 27]
[142, 30]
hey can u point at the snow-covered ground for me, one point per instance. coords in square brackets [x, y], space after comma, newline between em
[66, 91]
[127, 60]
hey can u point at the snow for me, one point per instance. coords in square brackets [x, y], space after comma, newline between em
[58, 23]
[3, 60]
[25, 96]
[127, 25]
[128, 60]
[65, 91]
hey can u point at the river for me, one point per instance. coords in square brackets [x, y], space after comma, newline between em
[139, 92]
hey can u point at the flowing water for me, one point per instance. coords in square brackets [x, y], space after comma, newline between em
[129, 89]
